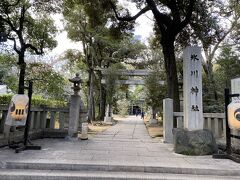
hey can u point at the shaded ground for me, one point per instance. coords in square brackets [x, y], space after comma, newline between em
[156, 130]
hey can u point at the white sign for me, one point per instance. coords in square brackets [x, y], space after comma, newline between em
[18, 110]
[234, 115]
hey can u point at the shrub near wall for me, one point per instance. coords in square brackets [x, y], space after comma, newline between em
[36, 101]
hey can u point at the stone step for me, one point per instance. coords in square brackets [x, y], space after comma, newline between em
[29, 174]
[120, 168]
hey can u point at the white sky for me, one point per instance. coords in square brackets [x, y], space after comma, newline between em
[143, 28]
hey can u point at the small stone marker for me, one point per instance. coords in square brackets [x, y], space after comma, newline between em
[108, 115]
[84, 135]
[192, 88]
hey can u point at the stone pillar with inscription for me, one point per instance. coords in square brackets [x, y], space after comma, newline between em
[192, 88]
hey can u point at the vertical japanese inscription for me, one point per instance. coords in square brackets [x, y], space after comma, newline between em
[192, 84]
[194, 73]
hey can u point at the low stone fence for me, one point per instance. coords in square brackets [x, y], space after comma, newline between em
[45, 122]
[212, 121]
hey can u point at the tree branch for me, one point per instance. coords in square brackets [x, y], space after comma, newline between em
[22, 18]
[221, 39]
[173, 5]
[14, 45]
[162, 19]
[34, 49]
[8, 21]
[187, 18]
[128, 18]
[14, 4]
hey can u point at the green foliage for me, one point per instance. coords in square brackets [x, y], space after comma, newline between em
[5, 99]
[36, 101]
[122, 107]
[111, 81]
[138, 93]
[8, 71]
[155, 92]
[226, 68]
[49, 83]
[29, 23]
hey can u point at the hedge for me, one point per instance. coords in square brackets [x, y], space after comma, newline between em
[36, 101]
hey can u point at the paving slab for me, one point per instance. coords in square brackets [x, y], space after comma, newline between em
[123, 147]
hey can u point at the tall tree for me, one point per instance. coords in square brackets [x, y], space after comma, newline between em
[171, 18]
[29, 26]
[88, 22]
[213, 23]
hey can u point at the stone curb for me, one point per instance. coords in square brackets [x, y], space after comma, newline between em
[120, 168]
[13, 174]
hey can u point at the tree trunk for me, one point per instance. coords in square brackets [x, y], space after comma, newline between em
[102, 102]
[110, 110]
[91, 111]
[208, 69]
[154, 110]
[171, 71]
[102, 98]
[22, 66]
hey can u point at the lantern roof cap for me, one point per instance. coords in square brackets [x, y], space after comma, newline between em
[75, 79]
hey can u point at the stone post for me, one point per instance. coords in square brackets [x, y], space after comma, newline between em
[74, 115]
[192, 88]
[167, 120]
[84, 134]
[75, 102]
[152, 120]
[180, 122]
[108, 115]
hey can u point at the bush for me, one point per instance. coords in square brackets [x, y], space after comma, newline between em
[36, 101]
[5, 99]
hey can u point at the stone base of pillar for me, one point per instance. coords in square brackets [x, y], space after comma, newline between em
[153, 121]
[108, 120]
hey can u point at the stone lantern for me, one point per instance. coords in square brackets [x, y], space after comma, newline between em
[74, 110]
[76, 84]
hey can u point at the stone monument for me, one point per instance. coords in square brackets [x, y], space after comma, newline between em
[75, 103]
[192, 88]
[193, 139]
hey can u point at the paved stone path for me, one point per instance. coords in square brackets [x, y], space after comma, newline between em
[125, 146]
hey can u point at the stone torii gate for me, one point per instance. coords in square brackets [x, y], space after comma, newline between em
[124, 72]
